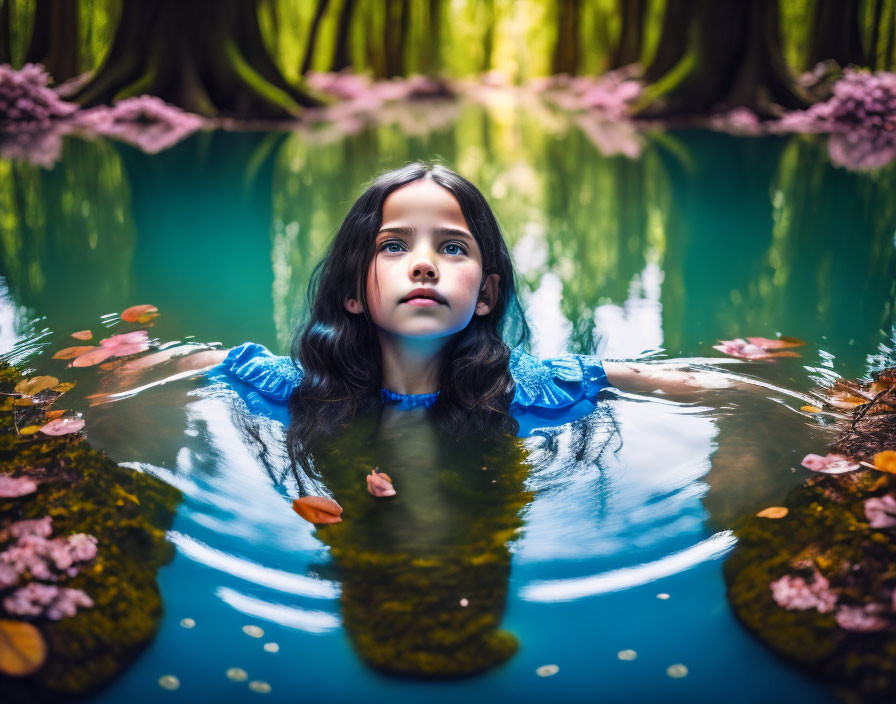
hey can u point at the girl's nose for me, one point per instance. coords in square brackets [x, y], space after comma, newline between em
[424, 270]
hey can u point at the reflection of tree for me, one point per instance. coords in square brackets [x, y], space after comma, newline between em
[67, 234]
[207, 201]
[407, 562]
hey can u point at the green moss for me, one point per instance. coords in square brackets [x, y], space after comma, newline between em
[825, 526]
[129, 513]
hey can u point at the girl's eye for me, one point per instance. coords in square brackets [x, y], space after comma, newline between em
[457, 248]
[385, 247]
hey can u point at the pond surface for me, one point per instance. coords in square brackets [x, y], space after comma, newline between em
[604, 535]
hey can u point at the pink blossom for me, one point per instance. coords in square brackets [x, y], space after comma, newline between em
[40, 557]
[861, 618]
[829, 464]
[881, 511]
[11, 487]
[35, 599]
[40, 527]
[27, 104]
[739, 348]
[793, 592]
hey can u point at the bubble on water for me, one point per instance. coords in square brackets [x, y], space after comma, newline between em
[169, 682]
[663, 595]
[259, 686]
[676, 671]
[626, 655]
[253, 631]
[237, 674]
[547, 670]
[464, 602]
[272, 647]
[187, 622]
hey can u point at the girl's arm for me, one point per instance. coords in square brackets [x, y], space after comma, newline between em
[651, 378]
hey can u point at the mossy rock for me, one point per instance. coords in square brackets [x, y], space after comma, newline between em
[128, 512]
[826, 527]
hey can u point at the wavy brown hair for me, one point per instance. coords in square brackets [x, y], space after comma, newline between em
[339, 352]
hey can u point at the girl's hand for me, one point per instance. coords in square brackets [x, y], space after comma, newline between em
[653, 378]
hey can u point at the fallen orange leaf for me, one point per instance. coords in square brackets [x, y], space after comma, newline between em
[64, 387]
[140, 314]
[317, 509]
[88, 359]
[33, 386]
[82, 335]
[773, 512]
[52, 415]
[810, 409]
[777, 344]
[72, 352]
[886, 461]
[22, 648]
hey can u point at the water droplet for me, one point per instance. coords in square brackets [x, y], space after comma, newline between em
[169, 682]
[464, 602]
[626, 655]
[237, 674]
[547, 670]
[187, 622]
[272, 647]
[253, 631]
[677, 671]
[259, 686]
[662, 596]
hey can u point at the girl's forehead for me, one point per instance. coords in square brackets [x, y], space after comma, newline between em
[422, 202]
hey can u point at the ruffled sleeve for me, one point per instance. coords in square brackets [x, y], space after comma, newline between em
[556, 383]
[274, 377]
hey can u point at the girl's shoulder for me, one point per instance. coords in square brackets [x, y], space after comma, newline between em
[272, 375]
[556, 382]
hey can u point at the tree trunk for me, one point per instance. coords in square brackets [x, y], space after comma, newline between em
[631, 34]
[205, 56]
[312, 35]
[342, 53]
[673, 38]
[891, 36]
[54, 39]
[566, 48]
[875, 34]
[733, 59]
[835, 33]
[395, 35]
[431, 50]
[488, 39]
[5, 32]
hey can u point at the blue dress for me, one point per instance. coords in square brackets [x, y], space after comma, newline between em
[549, 392]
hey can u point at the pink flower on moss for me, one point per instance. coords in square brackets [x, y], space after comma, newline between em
[792, 592]
[864, 619]
[881, 511]
[12, 487]
[48, 600]
[829, 464]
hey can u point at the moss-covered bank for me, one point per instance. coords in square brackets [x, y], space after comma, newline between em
[85, 492]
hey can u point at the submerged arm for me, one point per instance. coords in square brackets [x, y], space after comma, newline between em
[652, 378]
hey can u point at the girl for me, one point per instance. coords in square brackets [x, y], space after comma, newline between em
[414, 309]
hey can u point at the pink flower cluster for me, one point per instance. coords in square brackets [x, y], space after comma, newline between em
[829, 464]
[41, 557]
[27, 104]
[145, 121]
[611, 95]
[881, 511]
[793, 592]
[864, 618]
[54, 602]
[11, 487]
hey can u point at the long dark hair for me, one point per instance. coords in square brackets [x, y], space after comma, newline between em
[340, 353]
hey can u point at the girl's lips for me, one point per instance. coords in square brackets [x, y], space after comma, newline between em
[425, 302]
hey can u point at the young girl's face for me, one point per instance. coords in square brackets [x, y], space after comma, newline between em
[425, 247]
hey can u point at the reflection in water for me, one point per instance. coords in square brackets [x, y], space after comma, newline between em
[424, 573]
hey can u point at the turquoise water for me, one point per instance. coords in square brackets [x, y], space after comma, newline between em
[691, 238]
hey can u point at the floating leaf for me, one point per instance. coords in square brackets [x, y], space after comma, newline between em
[23, 402]
[777, 344]
[82, 335]
[29, 430]
[64, 387]
[88, 359]
[72, 352]
[317, 509]
[747, 350]
[885, 461]
[810, 409]
[829, 464]
[109, 366]
[54, 414]
[140, 314]
[63, 426]
[379, 484]
[33, 386]
[773, 512]
[127, 338]
[22, 649]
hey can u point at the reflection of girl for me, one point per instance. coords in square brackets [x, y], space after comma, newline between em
[414, 307]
